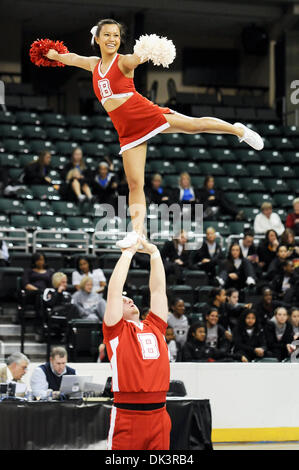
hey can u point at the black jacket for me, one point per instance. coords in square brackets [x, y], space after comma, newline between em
[153, 196]
[243, 271]
[264, 314]
[34, 173]
[196, 351]
[278, 348]
[196, 256]
[244, 343]
[169, 253]
[265, 255]
[221, 349]
[220, 201]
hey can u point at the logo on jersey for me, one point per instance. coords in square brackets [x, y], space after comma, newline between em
[149, 345]
[104, 86]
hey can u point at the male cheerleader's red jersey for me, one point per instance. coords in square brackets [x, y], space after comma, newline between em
[136, 120]
[139, 359]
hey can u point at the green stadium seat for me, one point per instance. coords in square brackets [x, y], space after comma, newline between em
[268, 129]
[7, 117]
[233, 142]
[11, 206]
[95, 149]
[57, 133]
[37, 207]
[282, 214]
[237, 228]
[26, 117]
[25, 193]
[55, 177]
[215, 140]
[47, 222]
[153, 151]
[272, 156]
[65, 208]
[191, 167]
[282, 143]
[182, 291]
[248, 156]
[201, 308]
[27, 158]
[257, 199]
[203, 293]
[250, 213]
[198, 153]
[173, 152]
[58, 163]
[91, 163]
[53, 119]
[227, 183]
[194, 317]
[65, 148]
[197, 181]
[102, 122]
[105, 136]
[45, 192]
[80, 135]
[78, 120]
[156, 140]
[9, 160]
[15, 174]
[295, 142]
[10, 131]
[276, 185]
[24, 221]
[80, 223]
[109, 260]
[220, 227]
[240, 199]
[16, 146]
[195, 278]
[235, 169]
[283, 171]
[36, 146]
[138, 277]
[252, 184]
[290, 131]
[223, 155]
[293, 185]
[172, 139]
[211, 169]
[259, 171]
[113, 149]
[196, 140]
[284, 201]
[34, 132]
[4, 221]
[161, 166]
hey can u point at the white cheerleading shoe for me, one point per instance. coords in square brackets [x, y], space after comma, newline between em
[251, 137]
[130, 240]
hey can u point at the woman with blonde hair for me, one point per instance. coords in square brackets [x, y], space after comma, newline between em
[91, 304]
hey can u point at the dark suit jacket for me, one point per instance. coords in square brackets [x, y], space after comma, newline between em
[278, 348]
[169, 253]
[196, 256]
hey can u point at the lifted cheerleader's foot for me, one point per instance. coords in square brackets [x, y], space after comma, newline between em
[129, 240]
[250, 137]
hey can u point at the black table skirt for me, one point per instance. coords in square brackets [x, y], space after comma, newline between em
[85, 425]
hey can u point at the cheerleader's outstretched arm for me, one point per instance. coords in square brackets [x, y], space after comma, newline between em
[72, 59]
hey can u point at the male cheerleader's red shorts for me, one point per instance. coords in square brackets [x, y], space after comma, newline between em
[137, 120]
[139, 430]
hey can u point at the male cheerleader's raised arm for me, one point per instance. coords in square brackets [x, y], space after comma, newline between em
[160, 50]
[114, 305]
[157, 281]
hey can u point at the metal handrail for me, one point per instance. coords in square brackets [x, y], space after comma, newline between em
[8, 239]
[66, 241]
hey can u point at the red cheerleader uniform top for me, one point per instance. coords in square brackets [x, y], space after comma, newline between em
[136, 120]
[139, 359]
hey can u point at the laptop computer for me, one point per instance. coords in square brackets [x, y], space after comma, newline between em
[74, 385]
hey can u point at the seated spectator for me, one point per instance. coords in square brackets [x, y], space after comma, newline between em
[208, 256]
[249, 250]
[185, 193]
[35, 280]
[236, 271]
[265, 307]
[267, 249]
[195, 348]
[234, 309]
[218, 301]
[214, 201]
[294, 321]
[276, 265]
[155, 193]
[292, 220]
[286, 283]
[37, 172]
[288, 239]
[76, 178]
[16, 367]
[49, 375]
[105, 185]
[59, 300]
[279, 335]
[267, 220]
[84, 268]
[173, 347]
[249, 338]
[216, 338]
[175, 258]
[92, 306]
[178, 320]
[4, 254]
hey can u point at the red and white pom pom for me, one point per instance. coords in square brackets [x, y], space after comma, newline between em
[40, 47]
[160, 50]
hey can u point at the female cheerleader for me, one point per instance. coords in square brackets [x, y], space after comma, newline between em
[135, 118]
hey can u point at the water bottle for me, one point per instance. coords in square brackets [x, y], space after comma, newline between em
[29, 395]
[49, 394]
